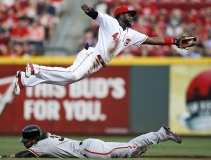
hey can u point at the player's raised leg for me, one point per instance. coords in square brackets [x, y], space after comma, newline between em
[85, 64]
[164, 134]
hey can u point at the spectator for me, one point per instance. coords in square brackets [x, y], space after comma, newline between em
[192, 17]
[2, 29]
[87, 38]
[4, 35]
[31, 10]
[207, 22]
[156, 31]
[8, 3]
[9, 20]
[161, 21]
[19, 33]
[114, 5]
[36, 35]
[176, 51]
[94, 28]
[126, 53]
[156, 51]
[143, 25]
[175, 21]
[46, 6]
[173, 53]
[3, 50]
[20, 7]
[17, 27]
[148, 10]
[58, 6]
[196, 51]
[201, 32]
[2, 16]
[144, 51]
[102, 7]
[25, 48]
[47, 21]
[10, 51]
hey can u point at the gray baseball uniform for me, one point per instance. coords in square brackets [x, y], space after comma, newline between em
[112, 39]
[59, 147]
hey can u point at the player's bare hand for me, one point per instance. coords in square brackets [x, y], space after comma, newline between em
[86, 8]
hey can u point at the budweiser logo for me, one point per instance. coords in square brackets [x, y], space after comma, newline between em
[6, 91]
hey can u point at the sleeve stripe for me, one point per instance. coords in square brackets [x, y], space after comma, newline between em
[106, 153]
[35, 153]
[142, 41]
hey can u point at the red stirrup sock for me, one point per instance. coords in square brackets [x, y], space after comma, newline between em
[20, 82]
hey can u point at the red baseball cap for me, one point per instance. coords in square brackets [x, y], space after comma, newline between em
[124, 9]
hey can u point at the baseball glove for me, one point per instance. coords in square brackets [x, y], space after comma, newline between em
[4, 156]
[185, 42]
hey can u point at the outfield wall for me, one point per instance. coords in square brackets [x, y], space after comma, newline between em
[128, 96]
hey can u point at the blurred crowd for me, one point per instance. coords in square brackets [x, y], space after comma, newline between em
[163, 18]
[25, 25]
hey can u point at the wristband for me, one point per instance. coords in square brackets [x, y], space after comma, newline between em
[92, 13]
[169, 41]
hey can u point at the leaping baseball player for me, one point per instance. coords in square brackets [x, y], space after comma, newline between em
[44, 144]
[114, 35]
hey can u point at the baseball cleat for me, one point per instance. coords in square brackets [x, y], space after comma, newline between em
[29, 70]
[139, 151]
[172, 136]
[17, 89]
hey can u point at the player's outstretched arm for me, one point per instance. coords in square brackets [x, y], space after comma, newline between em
[155, 41]
[7, 156]
[181, 42]
[89, 11]
[22, 154]
[4, 156]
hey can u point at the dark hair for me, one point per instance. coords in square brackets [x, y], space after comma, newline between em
[44, 135]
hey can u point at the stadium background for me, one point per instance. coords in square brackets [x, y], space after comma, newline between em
[139, 91]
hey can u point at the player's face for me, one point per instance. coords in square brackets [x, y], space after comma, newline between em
[29, 143]
[128, 19]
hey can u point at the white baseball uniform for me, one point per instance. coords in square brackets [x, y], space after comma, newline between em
[59, 147]
[112, 39]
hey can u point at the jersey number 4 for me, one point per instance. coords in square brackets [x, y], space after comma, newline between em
[115, 35]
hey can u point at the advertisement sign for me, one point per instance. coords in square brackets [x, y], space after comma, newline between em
[98, 104]
[190, 99]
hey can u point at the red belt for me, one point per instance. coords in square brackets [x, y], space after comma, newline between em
[101, 60]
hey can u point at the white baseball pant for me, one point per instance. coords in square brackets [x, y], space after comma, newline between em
[95, 148]
[85, 64]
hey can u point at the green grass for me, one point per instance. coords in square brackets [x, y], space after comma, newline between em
[190, 149]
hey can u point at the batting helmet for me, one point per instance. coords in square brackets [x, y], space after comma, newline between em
[29, 132]
[124, 9]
